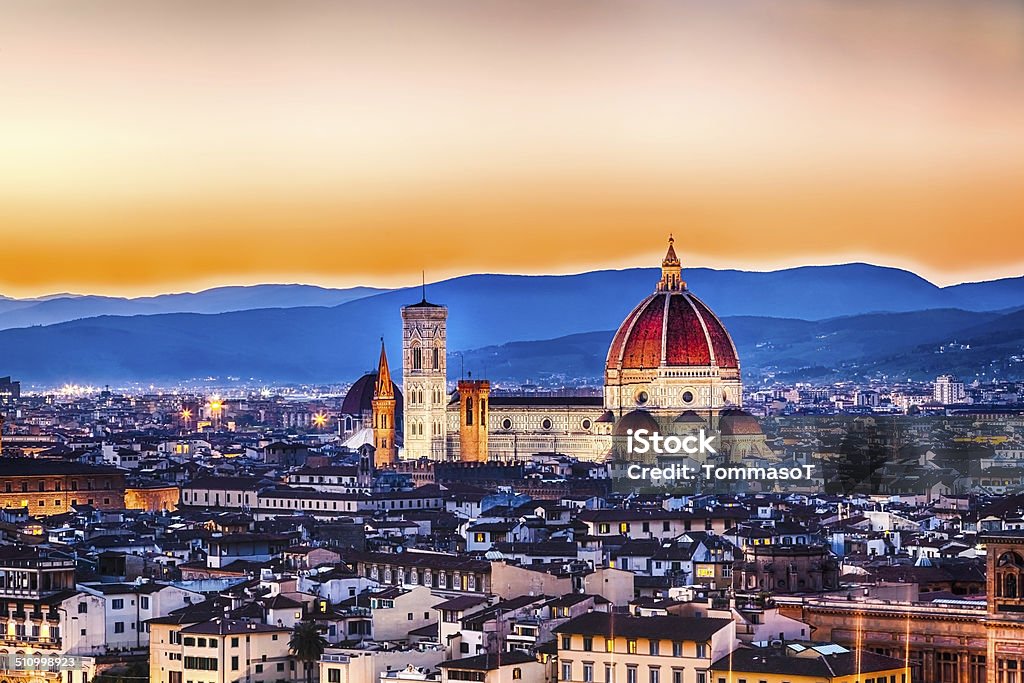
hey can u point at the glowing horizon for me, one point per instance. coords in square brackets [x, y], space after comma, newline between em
[177, 147]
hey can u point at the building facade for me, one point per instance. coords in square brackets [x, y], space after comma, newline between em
[425, 379]
[49, 487]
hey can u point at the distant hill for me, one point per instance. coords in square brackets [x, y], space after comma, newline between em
[918, 345]
[587, 301]
[340, 343]
[833, 321]
[63, 307]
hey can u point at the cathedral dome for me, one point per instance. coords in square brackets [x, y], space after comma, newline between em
[672, 354]
[671, 328]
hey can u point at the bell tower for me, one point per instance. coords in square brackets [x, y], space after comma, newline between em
[383, 405]
[424, 379]
[474, 397]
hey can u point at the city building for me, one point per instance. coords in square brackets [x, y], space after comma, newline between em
[948, 390]
[47, 487]
[602, 647]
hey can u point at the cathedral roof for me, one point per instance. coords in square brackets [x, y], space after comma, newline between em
[671, 328]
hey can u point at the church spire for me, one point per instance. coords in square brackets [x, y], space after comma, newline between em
[384, 387]
[671, 270]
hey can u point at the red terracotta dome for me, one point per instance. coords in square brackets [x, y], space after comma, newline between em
[670, 328]
[735, 422]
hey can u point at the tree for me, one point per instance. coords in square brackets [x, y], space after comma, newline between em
[307, 645]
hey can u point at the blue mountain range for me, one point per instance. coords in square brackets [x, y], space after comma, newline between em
[829, 321]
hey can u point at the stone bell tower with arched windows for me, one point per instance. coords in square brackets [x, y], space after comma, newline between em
[424, 379]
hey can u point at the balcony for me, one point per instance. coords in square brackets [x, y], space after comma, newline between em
[34, 641]
[335, 659]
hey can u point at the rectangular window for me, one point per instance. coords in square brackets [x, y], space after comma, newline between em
[117, 603]
[654, 674]
[234, 663]
[609, 645]
[566, 642]
[588, 643]
[201, 663]
[566, 671]
[118, 627]
[655, 647]
[631, 674]
[334, 676]
[677, 649]
[588, 673]
[631, 646]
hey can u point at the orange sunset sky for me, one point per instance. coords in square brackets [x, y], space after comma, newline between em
[165, 146]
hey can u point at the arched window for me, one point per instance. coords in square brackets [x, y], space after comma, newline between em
[437, 358]
[1010, 559]
[417, 357]
[483, 411]
[1010, 586]
[469, 411]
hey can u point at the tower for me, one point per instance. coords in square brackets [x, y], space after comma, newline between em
[424, 379]
[474, 400]
[384, 414]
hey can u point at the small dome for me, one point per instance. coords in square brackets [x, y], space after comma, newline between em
[359, 398]
[637, 419]
[606, 417]
[735, 422]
